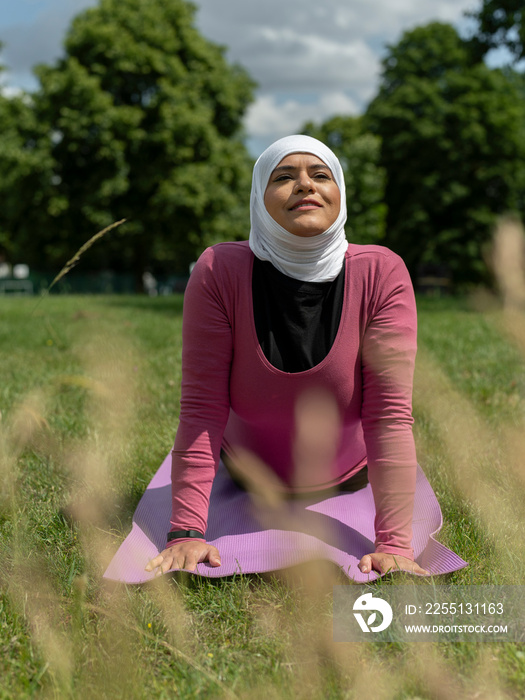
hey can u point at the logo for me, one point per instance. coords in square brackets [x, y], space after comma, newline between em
[369, 603]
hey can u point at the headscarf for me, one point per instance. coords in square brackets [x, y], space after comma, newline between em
[311, 259]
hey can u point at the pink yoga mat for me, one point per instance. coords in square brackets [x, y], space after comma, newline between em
[255, 539]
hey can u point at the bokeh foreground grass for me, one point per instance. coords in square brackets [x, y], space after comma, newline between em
[89, 404]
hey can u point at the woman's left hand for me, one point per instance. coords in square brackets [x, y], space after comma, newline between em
[379, 561]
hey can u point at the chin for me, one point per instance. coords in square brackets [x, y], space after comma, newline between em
[305, 233]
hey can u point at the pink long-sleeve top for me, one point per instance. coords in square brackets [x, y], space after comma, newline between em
[233, 397]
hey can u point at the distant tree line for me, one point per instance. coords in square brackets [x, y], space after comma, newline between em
[446, 145]
[142, 119]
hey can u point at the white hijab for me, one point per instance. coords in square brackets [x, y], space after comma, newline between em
[311, 259]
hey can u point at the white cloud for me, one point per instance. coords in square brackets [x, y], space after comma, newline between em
[10, 91]
[305, 41]
[310, 62]
[311, 58]
[304, 53]
[268, 119]
[298, 42]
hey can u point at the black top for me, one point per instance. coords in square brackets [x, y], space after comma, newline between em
[296, 321]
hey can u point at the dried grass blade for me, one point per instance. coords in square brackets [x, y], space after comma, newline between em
[71, 263]
[75, 259]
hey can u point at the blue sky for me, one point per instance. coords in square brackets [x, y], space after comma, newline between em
[311, 58]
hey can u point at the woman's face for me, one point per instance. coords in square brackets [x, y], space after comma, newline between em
[302, 195]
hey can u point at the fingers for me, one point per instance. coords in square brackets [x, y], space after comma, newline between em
[185, 555]
[166, 565]
[404, 564]
[163, 562]
[214, 558]
[365, 565]
[154, 563]
[187, 560]
[207, 553]
[378, 562]
[418, 570]
[383, 563]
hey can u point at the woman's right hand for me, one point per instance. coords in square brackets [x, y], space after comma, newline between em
[184, 555]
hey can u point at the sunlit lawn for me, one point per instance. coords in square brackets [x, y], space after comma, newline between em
[89, 404]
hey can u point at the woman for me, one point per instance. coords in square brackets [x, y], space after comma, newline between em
[296, 309]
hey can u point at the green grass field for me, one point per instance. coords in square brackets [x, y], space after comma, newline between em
[89, 404]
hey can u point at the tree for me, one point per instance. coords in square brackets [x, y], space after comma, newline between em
[358, 151]
[500, 23]
[453, 145]
[429, 52]
[25, 167]
[143, 121]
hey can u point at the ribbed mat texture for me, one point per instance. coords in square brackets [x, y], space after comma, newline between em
[253, 538]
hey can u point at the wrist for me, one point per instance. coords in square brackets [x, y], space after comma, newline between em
[184, 534]
[182, 540]
[179, 536]
[408, 553]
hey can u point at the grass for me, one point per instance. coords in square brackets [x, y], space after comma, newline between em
[89, 405]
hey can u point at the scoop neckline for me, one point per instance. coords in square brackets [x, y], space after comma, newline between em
[326, 359]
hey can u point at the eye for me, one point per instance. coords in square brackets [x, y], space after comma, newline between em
[282, 177]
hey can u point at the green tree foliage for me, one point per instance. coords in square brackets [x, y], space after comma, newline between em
[358, 152]
[453, 145]
[142, 119]
[500, 23]
[25, 165]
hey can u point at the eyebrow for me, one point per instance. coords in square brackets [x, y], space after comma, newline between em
[314, 166]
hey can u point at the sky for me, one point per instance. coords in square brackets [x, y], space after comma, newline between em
[311, 59]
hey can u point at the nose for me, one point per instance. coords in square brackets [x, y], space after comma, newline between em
[304, 183]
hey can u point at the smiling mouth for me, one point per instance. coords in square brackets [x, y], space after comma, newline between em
[305, 205]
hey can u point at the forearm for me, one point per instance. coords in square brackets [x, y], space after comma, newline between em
[393, 481]
[206, 363]
[389, 349]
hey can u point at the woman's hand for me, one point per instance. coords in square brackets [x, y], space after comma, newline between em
[384, 563]
[184, 555]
